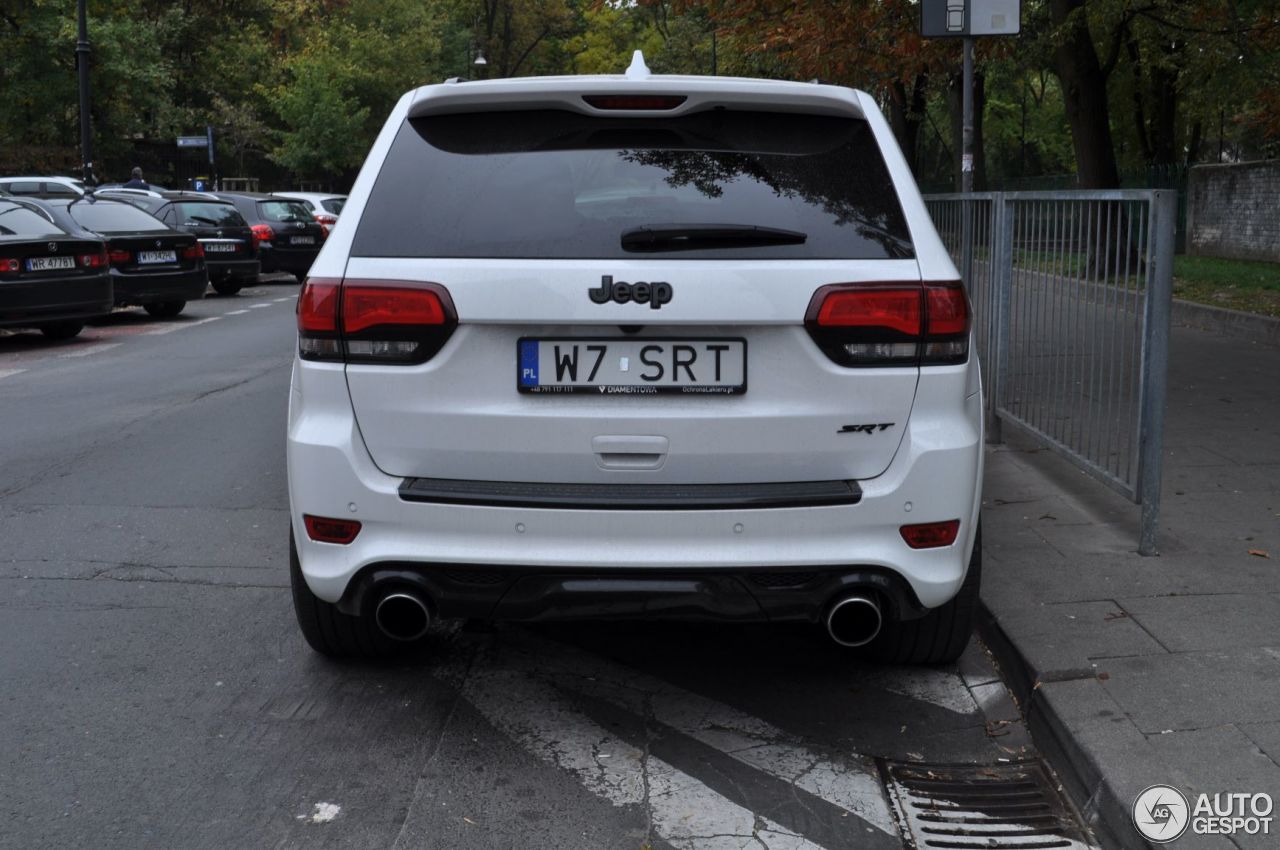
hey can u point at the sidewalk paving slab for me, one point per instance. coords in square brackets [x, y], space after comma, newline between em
[1134, 670]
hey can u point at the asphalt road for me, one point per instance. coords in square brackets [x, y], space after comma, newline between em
[155, 690]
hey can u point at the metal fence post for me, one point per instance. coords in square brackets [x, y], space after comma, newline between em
[1155, 363]
[1002, 281]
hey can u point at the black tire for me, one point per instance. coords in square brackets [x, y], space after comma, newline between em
[230, 286]
[331, 632]
[938, 637]
[165, 309]
[61, 330]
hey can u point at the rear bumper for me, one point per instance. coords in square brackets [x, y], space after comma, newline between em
[222, 269]
[54, 300]
[288, 260]
[151, 287]
[935, 476]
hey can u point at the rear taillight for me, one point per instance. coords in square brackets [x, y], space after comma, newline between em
[119, 258]
[327, 530]
[193, 252]
[262, 233]
[94, 261]
[931, 535]
[8, 265]
[886, 324]
[373, 321]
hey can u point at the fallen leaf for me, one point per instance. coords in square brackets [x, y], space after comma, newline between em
[1259, 553]
[469, 820]
[1102, 677]
[1116, 615]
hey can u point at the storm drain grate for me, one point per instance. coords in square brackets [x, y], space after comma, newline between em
[967, 807]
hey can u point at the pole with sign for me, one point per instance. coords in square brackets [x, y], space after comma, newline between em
[965, 19]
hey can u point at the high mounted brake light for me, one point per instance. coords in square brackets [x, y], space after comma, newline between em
[373, 321]
[635, 102]
[888, 324]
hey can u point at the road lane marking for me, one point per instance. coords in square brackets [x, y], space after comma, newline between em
[278, 300]
[852, 783]
[5, 373]
[936, 687]
[168, 329]
[91, 349]
[237, 312]
[684, 812]
[263, 304]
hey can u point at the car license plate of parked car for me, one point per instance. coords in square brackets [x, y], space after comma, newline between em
[219, 247]
[44, 264]
[147, 257]
[632, 366]
[302, 240]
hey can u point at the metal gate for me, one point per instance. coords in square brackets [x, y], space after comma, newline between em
[1072, 294]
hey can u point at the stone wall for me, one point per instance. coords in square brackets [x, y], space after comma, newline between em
[1234, 211]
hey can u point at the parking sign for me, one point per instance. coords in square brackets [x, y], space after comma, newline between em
[964, 18]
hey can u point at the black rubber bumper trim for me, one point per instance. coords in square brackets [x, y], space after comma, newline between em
[631, 497]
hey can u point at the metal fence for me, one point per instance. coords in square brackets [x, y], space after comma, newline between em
[1072, 293]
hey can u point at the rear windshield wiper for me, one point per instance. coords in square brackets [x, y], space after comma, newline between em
[694, 237]
[201, 220]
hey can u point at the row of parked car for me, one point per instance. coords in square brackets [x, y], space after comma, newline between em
[66, 258]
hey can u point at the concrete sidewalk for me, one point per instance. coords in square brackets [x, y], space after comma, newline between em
[1165, 670]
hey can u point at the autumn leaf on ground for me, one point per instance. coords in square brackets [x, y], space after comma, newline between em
[1259, 553]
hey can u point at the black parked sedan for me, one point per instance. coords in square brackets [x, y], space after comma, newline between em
[152, 265]
[49, 279]
[230, 250]
[288, 236]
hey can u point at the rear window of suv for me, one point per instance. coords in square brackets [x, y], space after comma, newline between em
[556, 184]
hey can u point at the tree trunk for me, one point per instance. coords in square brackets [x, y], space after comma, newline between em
[1084, 87]
[906, 116]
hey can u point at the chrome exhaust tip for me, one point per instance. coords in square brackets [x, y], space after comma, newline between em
[854, 620]
[402, 616]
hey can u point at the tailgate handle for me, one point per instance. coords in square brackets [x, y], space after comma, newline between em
[627, 452]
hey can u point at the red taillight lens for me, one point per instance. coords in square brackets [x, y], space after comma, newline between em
[365, 306]
[262, 233]
[94, 261]
[885, 324]
[895, 309]
[327, 530]
[931, 535]
[119, 258]
[373, 321]
[193, 252]
[8, 265]
[634, 101]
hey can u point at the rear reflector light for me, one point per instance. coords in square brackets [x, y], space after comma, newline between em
[9, 265]
[93, 261]
[326, 530]
[119, 258]
[886, 324]
[373, 321]
[634, 101]
[931, 535]
[193, 252]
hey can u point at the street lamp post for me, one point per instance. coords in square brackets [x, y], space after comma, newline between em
[82, 65]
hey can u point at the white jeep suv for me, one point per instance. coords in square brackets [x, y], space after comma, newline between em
[635, 346]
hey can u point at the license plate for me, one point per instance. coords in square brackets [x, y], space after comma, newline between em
[632, 366]
[302, 240]
[219, 247]
[145, 257]
[44, 264]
